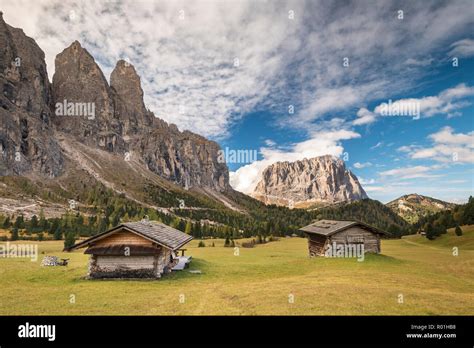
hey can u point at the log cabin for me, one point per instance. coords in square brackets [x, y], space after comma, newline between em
[143, 249]
[324, 233]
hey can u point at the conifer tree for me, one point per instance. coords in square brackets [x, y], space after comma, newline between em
[458, 231]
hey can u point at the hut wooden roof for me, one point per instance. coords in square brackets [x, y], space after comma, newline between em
[330, 227]
[154, 231]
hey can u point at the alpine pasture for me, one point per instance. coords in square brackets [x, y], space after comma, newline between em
[412, 276]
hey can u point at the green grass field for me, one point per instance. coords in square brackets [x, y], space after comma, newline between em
[260, 281]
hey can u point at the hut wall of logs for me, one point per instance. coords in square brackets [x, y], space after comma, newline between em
[134, 250]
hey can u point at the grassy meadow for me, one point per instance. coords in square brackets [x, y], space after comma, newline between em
[277, 278]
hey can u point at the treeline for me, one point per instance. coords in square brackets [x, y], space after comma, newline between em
[438, 223]
[101, 209]
[371, 212]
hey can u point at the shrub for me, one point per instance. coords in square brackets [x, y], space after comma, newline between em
[14, 232]
[201, 244]
[70, 240]
[458, 231]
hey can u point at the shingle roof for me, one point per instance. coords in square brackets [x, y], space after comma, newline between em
[156, 231]
[330, 227]
[161, 233]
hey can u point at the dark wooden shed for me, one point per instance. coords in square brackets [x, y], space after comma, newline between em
[144, 249]
[324, 233]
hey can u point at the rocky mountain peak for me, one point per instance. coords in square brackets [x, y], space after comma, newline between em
[129, 103]
[81, 107]
[79, 78]
[126, 82]
[84, 105]
[26, 137]
[323, 179]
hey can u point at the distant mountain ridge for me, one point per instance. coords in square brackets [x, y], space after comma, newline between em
[318, 180]
[413, 206]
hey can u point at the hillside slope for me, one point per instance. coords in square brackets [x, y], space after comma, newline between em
[369, 211]
[447, 240]
[413, 206]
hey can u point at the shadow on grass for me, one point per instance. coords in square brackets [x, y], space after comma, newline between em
[369, 258]
[381, 258]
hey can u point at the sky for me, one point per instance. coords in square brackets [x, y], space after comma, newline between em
[387, 86]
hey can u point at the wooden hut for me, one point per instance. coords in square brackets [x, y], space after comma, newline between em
[324, 233]
[144, 249]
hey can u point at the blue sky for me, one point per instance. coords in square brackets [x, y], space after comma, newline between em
[231, 70]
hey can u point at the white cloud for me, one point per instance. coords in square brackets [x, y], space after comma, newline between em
[376, 145]
[189, 62]
[419, 62]
[462, 48]
[410, 173]
[321, 143]
[375, 188]
[362, 165]
[364, 116]
[201, 71]
[448, 147]
[447, 102]
[363, 181]
[270, 142]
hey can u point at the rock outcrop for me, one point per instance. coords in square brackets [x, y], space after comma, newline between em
[128, 96]
[27, 143]
[80, 105]
[83, 102]
[322, 179]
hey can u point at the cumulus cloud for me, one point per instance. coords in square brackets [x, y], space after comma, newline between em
[448, 147]
[364, 116]
[447, 102]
